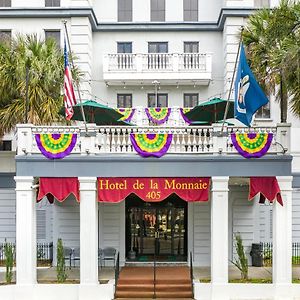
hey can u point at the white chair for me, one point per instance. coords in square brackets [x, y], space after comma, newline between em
[108, 254]
[68, 254]
[75, 255]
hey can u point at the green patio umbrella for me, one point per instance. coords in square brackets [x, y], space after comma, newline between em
[203, 123]
[211, 111]
[98, 113]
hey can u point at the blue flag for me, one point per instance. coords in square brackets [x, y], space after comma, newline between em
[249, 96]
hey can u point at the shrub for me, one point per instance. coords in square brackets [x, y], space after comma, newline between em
[241, 262]
[9, 261]
[60, 267]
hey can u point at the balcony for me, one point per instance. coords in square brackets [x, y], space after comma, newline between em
[114, 140]
[167, 68]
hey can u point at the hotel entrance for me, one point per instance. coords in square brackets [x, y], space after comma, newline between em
[156, 230]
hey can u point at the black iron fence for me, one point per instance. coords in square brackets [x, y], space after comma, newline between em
[267, 250]
[44, 252]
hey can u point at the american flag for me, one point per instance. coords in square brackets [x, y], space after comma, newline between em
[69, 95]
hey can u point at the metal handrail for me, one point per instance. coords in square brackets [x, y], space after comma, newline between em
[191, 273]
[117, 272]
[154, 276]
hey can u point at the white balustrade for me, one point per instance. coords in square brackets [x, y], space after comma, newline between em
[191, 140]
[157, 62]
[121, 62]
[192, 61]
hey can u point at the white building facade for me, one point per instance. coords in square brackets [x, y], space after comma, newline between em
[142, 53]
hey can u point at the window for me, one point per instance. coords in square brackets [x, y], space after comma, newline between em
[190, 10]
[158, 9]
[190, 100]
[264, 112]
[125, 61]
[5, 146]
[191, 61]
[5, 3]
[261, 3]
[124, 47]
[5, 35]
[41, 224]
[158, 61]
[52, 3]
[162, 100]
[53, 34]
[158, 47]
[124, 10]
[191, 47]
[124, 100]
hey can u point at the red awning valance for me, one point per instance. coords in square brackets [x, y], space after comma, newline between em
[58, 187]
[267, 187]
[153, 189]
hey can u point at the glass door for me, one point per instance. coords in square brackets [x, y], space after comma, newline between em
[156, 231]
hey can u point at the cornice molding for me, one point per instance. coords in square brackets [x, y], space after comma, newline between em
[132, 26]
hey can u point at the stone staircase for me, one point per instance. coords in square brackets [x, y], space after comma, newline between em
[138, 282]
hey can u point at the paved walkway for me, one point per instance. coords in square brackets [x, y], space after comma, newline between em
[201, 273]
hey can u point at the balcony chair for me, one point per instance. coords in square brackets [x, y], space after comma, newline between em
[108, 254]
[68, 254]
[75, 255]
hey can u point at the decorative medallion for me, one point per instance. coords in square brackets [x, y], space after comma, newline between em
[151, 144]
[252, 144]
[158, 115]
[127, 113]
[183, 111]
[56, 145]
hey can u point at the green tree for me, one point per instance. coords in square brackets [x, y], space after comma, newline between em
[268, 36]
[45, 62]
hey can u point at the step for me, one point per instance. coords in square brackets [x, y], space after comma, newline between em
[135, 287]
[156, 298]
[177, 294]
[175, 281]
[135, 281]
[173, 287]
[135, 294]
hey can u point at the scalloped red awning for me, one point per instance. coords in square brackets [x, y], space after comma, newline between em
[153, 189]
[267, 187]
[58, 187]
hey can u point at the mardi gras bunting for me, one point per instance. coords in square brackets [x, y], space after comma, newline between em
[183, 111]
[158, 115]
[56, 145]
[252, 144]
[151, 144]
[127, 113]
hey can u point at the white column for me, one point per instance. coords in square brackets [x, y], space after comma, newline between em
[25, 231]
[282, 233]
[88, 231]
[219, 230]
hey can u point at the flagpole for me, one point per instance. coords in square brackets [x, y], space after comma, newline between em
[232, 79]
[76, 82]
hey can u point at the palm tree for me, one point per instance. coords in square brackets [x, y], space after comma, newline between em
[45, 62]
[266, 36]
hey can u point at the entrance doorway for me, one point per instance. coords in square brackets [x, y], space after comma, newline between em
[156, 230]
